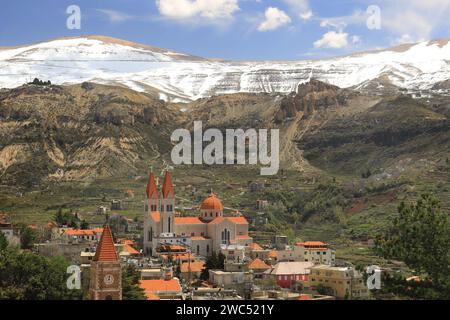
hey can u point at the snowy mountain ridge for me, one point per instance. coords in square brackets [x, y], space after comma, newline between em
[180, 77]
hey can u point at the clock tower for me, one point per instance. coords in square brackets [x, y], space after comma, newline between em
[106, 271]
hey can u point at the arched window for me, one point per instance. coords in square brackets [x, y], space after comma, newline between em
[198, 249]
[168, 224]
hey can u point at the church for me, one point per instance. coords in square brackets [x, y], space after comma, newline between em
[209, 231]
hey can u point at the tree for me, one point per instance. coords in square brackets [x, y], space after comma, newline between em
[419, 236]
[214, 261]
[27, 237]
[84, 225]
[3, 241]
[28, 276]
[130, 284]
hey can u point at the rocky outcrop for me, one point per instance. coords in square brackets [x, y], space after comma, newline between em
[310, 97]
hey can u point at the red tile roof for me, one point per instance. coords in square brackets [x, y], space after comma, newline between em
[130, 249]
[188, 220]
[156, 286]
[167, 189]
[152, 296]
[80, 232]
[255, 246]
[258, 264]
[195, 266]
[151, 190]
[212, 203]
[236, 220]
[243, 237]
[105, 249]
[199, 238]
[311, 243]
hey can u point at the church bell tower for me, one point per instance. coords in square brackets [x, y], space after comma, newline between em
[106, 271]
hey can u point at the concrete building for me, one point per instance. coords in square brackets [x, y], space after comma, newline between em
[343, 282]
[7, 229]
[242, 281]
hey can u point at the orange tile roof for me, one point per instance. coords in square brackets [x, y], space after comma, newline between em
[188, 220]
[311, 243]
[195, 266]
[243, 237]
[105, 249]
[152, 296]
[151, 190]
[273, 254]
[199, 238]
[255, 246]
[167, 189]
[130, 249]
[127, 241]
[212, 203]
[156, 216]
[258, 264]
[157, 286]
[236, 220]
[304, 297]
[80, 232]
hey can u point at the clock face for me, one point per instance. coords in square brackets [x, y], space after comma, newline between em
[108, 279]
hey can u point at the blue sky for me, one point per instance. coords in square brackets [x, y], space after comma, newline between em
[235, 29]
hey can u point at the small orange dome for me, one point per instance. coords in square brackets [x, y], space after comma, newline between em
[212, 203]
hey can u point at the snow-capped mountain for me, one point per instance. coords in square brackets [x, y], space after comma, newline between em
[180, 77]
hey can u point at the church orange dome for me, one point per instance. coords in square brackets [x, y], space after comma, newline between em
[212, 203]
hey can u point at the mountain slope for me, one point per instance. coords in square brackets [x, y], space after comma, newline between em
[79, 132]
[179, 77]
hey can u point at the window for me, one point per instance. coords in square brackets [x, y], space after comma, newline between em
[198, 249]
[207, 248]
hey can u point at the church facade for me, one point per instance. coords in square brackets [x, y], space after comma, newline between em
[203, 234]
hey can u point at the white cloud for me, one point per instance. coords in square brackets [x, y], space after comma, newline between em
[194, 9]
[356, 39]
[274, 18]
[115, 16]
[306, 15]
[301, 8]
[357, 17]
[332, 39]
